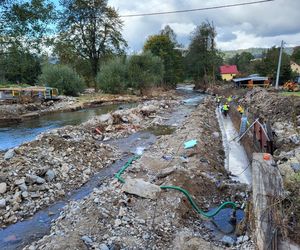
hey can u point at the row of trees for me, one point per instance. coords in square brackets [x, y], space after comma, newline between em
[85, 36]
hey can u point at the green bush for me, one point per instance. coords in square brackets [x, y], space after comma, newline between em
[145, 71]
[112, 77]
[139, 72]
[62, 77]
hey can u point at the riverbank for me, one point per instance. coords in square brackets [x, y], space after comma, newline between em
[114, 217]
[16, 113]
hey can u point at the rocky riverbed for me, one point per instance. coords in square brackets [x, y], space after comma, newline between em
[138, 214]
[40, 172]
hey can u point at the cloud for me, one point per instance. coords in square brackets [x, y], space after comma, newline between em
[181, 29]
[239, 27]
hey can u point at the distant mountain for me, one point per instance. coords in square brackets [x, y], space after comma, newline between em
[256, 52]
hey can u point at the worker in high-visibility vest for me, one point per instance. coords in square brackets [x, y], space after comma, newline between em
[240, 109]
[229, 98]
[225, 109]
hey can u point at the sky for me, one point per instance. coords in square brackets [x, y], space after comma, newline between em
[260, 25]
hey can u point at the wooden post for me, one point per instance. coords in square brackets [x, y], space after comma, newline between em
[267, 194]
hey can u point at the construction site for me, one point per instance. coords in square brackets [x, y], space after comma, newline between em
[168, 173]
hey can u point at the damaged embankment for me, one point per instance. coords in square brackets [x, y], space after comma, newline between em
[111, 217]
[282, 113]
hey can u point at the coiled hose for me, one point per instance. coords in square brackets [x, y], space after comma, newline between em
[185, 192]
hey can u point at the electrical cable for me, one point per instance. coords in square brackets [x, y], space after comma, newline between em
[196, 9]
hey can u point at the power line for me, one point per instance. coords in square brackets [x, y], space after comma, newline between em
[198, 9]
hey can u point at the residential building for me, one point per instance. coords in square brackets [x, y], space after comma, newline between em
[228, 72]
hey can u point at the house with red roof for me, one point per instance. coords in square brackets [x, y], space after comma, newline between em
[228, 72]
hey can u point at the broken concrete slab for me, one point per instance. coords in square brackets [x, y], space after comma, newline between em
[141, 188]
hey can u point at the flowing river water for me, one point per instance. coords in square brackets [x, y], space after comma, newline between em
[22, 233]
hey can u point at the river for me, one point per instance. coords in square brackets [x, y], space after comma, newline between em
[14, 135]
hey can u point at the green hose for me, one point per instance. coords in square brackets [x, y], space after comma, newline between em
[128, 163]
[185, 192]
[198, 210]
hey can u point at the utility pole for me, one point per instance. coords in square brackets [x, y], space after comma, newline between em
[279, 65]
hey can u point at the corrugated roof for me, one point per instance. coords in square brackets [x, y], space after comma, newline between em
[229, 69]
[253, 78]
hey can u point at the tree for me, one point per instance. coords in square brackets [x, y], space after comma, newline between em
[62, 77]
[24, 26]
[163, 46]
[19, 65]
[296, 55]
[26, 23]
[92, 29]
[169, 32]
[113, 76]
[268, 65]
[243, 62]
[203, 59]
[145, 71]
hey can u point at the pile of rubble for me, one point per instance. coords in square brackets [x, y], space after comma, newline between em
[139, 215]
[37, 173]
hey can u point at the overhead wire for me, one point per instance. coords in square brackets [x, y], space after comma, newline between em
[196, 9]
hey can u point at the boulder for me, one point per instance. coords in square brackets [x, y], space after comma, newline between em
[141, 188]
[2, 203]
[149, 109]
[106, 118]
[19, 182]
[50, 175]
[3, 187]
[227, 240]
[30, 178]
[9, 154]
[23, 187]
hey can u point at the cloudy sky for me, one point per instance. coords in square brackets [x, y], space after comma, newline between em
[260, 25]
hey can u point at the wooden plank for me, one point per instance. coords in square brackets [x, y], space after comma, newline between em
[267, 194]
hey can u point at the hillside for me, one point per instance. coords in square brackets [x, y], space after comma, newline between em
[256, 52]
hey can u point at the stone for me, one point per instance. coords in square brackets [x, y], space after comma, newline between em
[166, 171]
[2, 203]
[141, 188]
[216, 135]
[34, 179]
[227, 240]
[106, 118]
[296, 167]
[19, 182]
[50, 175]
[64, 168]
[23, 187]
[87, 240]
[25, 194]
[118, 222]
[147, 110]
[242, 239]
[295, 139]
[58, 186]
[103, 247]
[9, 154]
[3, 187]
